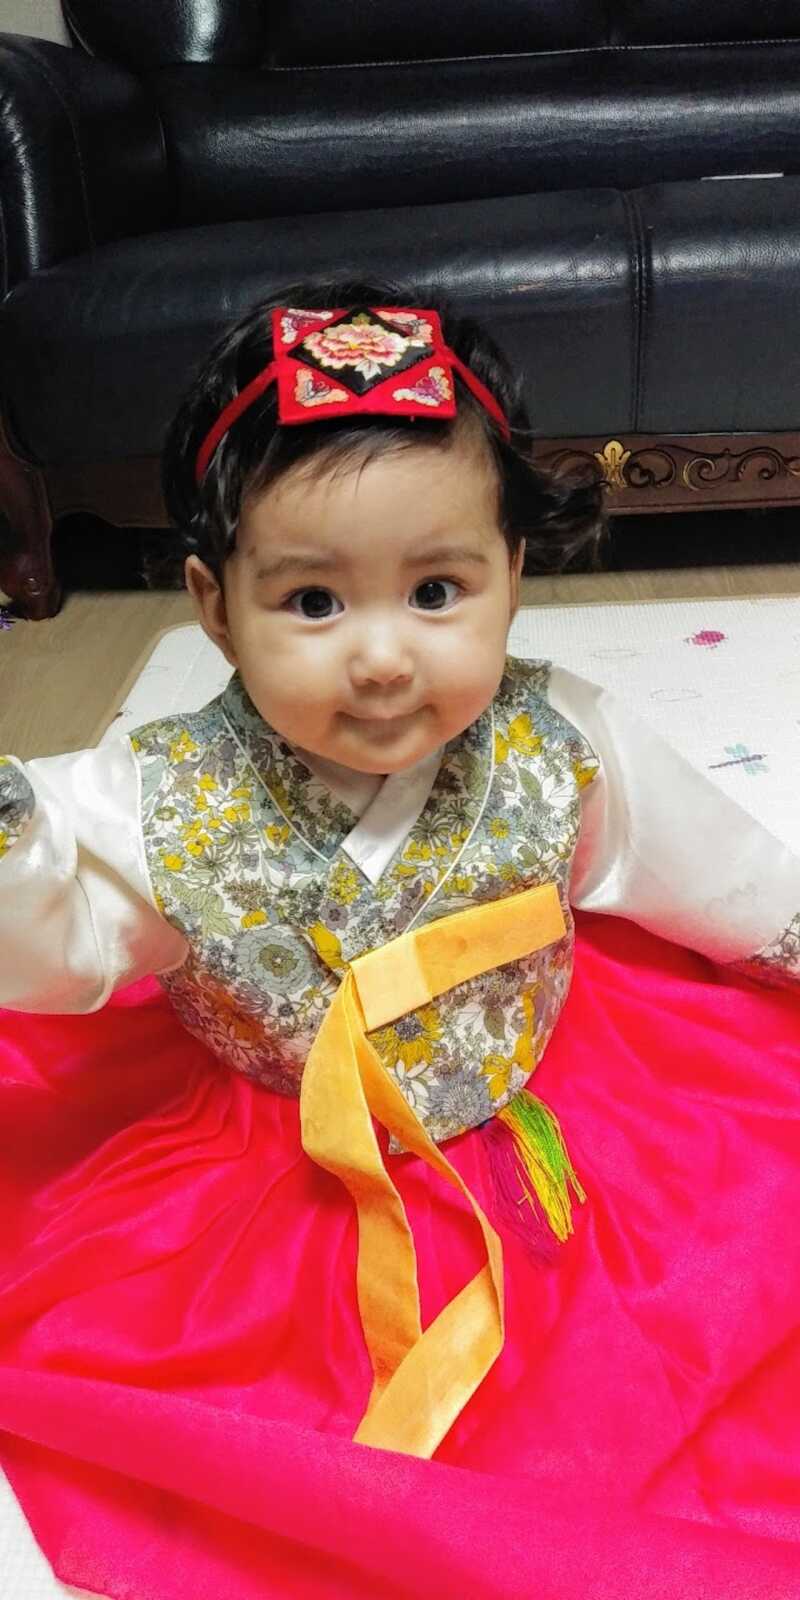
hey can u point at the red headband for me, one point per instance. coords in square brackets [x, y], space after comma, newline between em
[390, 360]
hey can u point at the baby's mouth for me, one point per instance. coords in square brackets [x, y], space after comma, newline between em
[382, 719]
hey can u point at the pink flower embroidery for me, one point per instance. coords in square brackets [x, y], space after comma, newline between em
[432, 389]
[708, 636]
[360, 345]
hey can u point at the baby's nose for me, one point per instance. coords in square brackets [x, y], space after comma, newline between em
[381, 657]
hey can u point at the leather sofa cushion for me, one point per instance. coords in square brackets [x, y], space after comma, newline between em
[147, 33]
[670, 309]
[305, 32]
[719, 341]
[142, 33]
[250, 144]
[98, 350]
[666, 21]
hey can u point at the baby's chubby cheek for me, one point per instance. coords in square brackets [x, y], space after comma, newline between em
[472, 685]
[303, 721]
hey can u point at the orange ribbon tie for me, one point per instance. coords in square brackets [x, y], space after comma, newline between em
[421, 1379]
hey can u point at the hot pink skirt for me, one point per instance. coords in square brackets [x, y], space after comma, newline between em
[181, 1360]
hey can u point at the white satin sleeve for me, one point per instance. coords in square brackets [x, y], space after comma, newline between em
[77, 913]
[664, 846]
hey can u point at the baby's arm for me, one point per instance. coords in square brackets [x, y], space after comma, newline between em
[661, 844]
[77, 914]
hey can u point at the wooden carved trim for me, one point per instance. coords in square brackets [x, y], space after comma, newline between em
[650, 473]
[642, 473]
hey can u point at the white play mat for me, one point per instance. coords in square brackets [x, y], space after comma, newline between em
[720, 679]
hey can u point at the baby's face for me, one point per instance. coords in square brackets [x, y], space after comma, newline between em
[368, 612]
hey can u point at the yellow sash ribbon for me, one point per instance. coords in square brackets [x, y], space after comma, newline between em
[422, 1380]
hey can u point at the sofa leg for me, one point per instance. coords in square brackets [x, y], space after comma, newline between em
[27, 574]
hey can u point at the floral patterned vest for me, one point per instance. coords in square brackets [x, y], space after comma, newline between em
[244, 850]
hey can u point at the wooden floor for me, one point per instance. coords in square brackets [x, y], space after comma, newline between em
[61, 681]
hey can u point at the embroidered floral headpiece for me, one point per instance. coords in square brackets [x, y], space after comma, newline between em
[390, 360]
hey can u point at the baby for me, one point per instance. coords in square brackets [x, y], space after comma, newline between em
[381, 824]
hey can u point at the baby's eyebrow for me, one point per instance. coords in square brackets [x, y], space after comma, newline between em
[447, 552]
[315, 561]
[319, 562]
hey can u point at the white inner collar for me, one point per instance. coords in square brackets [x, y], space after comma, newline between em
[387, 808]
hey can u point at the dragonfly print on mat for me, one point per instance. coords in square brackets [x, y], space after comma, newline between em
[739, 756]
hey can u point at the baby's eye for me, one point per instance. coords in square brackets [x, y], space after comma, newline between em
[314, 604]
[432, 594]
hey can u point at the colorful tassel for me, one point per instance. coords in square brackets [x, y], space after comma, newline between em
[514, 1211]
[542, 1172]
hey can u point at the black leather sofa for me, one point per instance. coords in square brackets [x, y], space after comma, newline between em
[550, 164]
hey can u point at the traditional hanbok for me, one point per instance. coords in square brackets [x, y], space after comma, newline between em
[279, 1189]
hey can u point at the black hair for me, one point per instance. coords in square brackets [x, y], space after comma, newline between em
[558, 515]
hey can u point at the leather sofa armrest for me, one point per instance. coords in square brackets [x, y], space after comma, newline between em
[82, 156]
